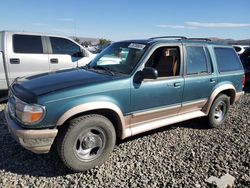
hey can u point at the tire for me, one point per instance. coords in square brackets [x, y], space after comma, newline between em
[87, 142]
[218, 111]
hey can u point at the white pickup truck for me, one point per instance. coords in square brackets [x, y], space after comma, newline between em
[23, 54]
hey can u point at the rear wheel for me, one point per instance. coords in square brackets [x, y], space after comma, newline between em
[218, 111]
[87, 142]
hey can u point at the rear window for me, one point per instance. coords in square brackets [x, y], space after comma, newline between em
[27, 44]
[227, 59]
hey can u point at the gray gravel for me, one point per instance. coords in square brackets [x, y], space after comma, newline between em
[183, 155]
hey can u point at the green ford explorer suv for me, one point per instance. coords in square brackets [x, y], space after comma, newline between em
[160, 81]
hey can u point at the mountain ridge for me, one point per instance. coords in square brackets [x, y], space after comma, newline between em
[95, 41]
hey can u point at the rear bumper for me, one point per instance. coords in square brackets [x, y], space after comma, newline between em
[37, 141]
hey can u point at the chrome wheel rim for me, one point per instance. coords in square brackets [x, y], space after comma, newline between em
[220, 111]
[89, 144]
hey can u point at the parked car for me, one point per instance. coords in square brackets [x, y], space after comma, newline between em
[23, 54]
[245, 59]
[161, 81]
[240, 48]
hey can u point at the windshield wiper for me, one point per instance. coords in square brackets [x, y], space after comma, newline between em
[104, 68]
[86, 66]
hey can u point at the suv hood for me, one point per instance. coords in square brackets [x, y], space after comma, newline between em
[28, 88]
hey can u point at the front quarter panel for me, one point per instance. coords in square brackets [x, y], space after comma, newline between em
[114, 92]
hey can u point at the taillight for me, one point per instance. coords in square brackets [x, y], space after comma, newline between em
[243, 81]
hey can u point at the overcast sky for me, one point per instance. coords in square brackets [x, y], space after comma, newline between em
[129, 19]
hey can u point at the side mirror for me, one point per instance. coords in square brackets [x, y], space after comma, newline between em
[81, 53]
[149, 73]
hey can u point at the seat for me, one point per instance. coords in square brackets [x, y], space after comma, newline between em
[175, 68]
[165, 66]
[165, 61]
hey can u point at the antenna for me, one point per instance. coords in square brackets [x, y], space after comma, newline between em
[74, 35]
[74, 28]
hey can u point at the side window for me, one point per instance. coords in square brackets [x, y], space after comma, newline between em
[64, 46]
[166, 60]
[196, 60]
[27, 44]
[227, 59]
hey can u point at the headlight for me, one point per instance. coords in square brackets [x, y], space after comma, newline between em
[28, 114]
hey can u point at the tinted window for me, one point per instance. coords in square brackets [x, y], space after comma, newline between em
[64, 46]
[227, 59]
[196, 60]
[27, 44]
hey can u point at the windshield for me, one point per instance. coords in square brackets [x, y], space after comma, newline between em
[120, 57]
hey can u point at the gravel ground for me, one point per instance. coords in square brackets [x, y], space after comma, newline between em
[183, 155]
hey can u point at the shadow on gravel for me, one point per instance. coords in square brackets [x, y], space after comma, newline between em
[197, 123]
[2, 119]
[15, 159]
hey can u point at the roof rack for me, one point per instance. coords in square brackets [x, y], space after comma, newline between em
[199, 39]
[169, 37]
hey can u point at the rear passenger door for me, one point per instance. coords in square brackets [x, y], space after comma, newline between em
[25, 55]
[64, 53]
[199, 78]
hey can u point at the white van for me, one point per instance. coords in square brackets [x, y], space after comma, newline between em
[23, 54]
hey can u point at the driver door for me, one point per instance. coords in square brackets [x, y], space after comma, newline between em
[161, 97]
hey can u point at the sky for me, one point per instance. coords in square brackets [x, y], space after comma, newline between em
[129, 19]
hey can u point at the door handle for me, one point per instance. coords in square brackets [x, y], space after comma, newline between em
[14, 60]
[53, 60]
[177, 84]
[212, 80]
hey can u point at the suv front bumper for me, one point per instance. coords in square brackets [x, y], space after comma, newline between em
[37, 141]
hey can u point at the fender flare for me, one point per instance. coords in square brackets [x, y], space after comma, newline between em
[96, 106]
[215, 93]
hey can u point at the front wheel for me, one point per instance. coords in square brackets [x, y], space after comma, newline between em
[218, 111]
[87, 142]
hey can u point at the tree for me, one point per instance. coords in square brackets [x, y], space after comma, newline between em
[86, 43]
[77, 40]
[104, 42]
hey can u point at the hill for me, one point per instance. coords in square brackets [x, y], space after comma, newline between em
[232, 41]
[95, 41]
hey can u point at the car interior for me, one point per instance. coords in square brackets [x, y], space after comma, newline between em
[166, 60]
